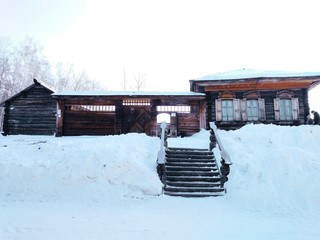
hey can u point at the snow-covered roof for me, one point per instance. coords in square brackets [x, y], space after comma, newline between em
[125, 93]
[251, 73]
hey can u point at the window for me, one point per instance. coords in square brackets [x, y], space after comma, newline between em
[179, 109]
[252, 110]
[286, 107]
[92, 108]
[136, 102]
[252, 107]
[227, 110]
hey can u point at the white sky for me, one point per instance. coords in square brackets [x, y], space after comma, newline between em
[169, 41]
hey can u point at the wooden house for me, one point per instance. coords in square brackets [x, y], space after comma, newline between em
[236, 98]
[31, 112]
[108, 113]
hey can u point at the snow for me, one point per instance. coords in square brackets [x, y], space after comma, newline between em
[252, 73]
[107, 188]
[124, 93]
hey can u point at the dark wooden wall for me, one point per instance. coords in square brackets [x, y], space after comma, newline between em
[301, 94]
[30, 112]
[78, 123]
[126, 118]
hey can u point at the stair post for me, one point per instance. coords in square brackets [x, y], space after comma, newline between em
[225, 157]
[161, 169]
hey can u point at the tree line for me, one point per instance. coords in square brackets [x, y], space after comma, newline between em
[21, 63]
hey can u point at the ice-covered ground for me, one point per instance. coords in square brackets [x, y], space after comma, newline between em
[107, 188]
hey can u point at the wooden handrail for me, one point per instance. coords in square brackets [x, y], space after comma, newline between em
[225, 157]
[224, 154]
[161, 152]
[161, 169]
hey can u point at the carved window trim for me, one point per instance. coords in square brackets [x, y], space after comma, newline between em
[285, 94]
[251, 95]
[227, 95]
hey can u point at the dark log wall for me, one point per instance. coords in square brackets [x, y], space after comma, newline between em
[188, 123]
[32, 112]
[88, 123]
[125, 118]
[301, 94]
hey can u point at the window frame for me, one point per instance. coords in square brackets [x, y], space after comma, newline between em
[278, 110]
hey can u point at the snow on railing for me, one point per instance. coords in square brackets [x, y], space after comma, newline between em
[162, 152]
[225, 157]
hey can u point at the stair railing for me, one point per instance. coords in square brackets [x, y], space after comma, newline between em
[225, 157]
[161, 159]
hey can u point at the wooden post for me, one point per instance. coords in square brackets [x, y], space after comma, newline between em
[59, 118]
[161, 169]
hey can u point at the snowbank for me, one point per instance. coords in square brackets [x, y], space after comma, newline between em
[107, 188]
[275, 168]
[71, 168]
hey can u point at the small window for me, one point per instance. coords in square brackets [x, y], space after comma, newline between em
[92, 108]
[136, 102]
[178, 109]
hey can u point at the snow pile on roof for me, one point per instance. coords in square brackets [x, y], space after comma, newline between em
[251, 73]
[124, 93]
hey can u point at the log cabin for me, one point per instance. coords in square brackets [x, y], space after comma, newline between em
[31, 112]
[236, 98]
[110, 113]
[230, 99]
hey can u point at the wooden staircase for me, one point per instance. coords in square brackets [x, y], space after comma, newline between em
[191, 173]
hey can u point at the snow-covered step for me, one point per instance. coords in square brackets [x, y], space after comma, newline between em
[192, 173]
[195, 194]
[192, 189]
[194, 184]
[191, 168]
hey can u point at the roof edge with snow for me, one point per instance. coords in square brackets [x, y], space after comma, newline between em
[126, 93]
[251, 73]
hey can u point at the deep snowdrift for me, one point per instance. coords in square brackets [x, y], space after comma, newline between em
[78, 168]
[107, 188]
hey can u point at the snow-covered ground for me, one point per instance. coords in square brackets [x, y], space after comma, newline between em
[107, 188]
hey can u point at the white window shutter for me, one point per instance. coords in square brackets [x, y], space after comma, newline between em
[276, 103]
[236, 109]
[218, 110]
[295, 108]
[243, 106]
[262, 109]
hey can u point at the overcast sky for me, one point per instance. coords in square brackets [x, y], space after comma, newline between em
[169, 41]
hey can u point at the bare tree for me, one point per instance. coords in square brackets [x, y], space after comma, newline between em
[67, 78]
[139, 81]
[20, 64]
[5, 55]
